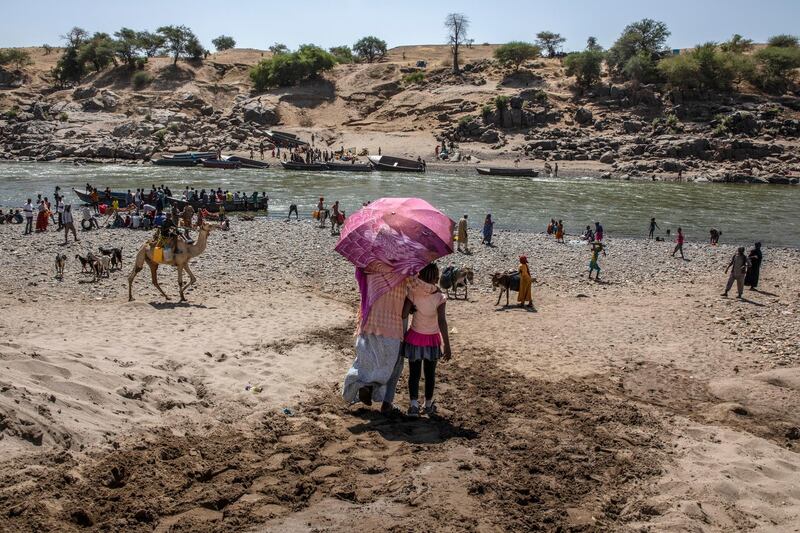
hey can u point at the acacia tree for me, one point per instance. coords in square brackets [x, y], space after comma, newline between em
[223, 42]
[15, 56]
[550, 41]
[370, 48]
[99, 51]
[127, 45]
[150, 43]
[737, 45]
[177, 39]
[457, 25]
[278, 49]
[343, 53]
[516, 52]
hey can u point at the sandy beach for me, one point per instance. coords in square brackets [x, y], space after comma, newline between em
[646, 402]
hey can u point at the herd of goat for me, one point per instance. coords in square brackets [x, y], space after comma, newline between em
[99, 266]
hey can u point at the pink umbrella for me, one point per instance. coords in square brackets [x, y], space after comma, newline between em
[398, 237]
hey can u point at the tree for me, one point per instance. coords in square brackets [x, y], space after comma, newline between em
[592, 45]
[457, 25]
[586, 66]
[646, 37]
[99, 51]
[68, 68]
[783, 41]
[194, 49]
[290, 68]
[176, 39]
[76, 37]
[47, 49]
[743, 66]
[127, 45]
[15, 56]
[737, 45]
[150, 43]
[343, 54]
[681, 71]
[775, 68]
[550, 41]
[516, 52]
[370, 48]
[223, 42]
[279, 48]
[640, 68]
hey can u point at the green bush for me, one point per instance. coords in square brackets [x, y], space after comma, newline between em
[15, 56]
[784, 41]
[140, 79]
[501, 102]
[775, 68]
[586, 66]
[463, 121]
[487, 110]
[160, 134]
[413, 78]
[641, 68]
[63, 116]
[291, 68]
[223, 42]
[343, 54]
[516, 52]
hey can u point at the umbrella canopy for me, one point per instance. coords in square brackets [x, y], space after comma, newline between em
[396, 236]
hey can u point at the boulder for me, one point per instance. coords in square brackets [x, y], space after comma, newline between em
[583, 116]
[544, 144]
[82, 93]
[632, 126]
[12, 79]
[607, 158]
[255, 111]
[490, 137]
[515, 102]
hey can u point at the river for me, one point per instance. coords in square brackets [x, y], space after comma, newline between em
[744, 213]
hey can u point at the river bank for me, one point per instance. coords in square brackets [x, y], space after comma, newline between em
[223, 414]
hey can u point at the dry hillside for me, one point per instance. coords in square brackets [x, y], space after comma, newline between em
[616, 130]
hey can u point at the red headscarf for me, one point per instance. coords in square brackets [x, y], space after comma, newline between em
[523, 260]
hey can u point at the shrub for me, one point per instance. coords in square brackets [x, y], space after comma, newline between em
[15, 56]
[140, 79]
[784, 41]
[463, 121]
[775, 68]
[160, 134]
[370, 48]
[47, 49]
[516, 52]
[501, 102]
[640, 68]
[140, 63]
[673, 123]
[737, 45]
[586, 66]
[223, 42]
[487, 110]
[63, 116]
[291, 68]
[414, 77]
[278, 49]
[343, 54]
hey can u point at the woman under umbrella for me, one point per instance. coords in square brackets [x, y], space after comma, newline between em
[389, 241]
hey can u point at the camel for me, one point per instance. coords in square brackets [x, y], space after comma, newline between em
[180, 260]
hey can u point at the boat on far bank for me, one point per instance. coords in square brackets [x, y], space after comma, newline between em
[507, 171]
[221, 163]
[248, 163]
[176, 162]
[396, 164]
[349, 167]
[296, 165]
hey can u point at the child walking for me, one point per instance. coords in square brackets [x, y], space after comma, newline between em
[597, 247]
[423, 340]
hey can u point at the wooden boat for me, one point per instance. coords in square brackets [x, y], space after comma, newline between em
[176, 162]
[349, 167]
[248, 163]
[507, 171]
[194, 155]
[86, 198]
[294, 165]
[221, 163]
[396, 164]
[213, 207]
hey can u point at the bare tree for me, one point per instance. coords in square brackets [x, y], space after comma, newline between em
[457, 25]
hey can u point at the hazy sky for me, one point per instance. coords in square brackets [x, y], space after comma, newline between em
[257, 24]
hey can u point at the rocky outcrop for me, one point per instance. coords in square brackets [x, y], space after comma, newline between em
[583, 116]
[258, 113]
